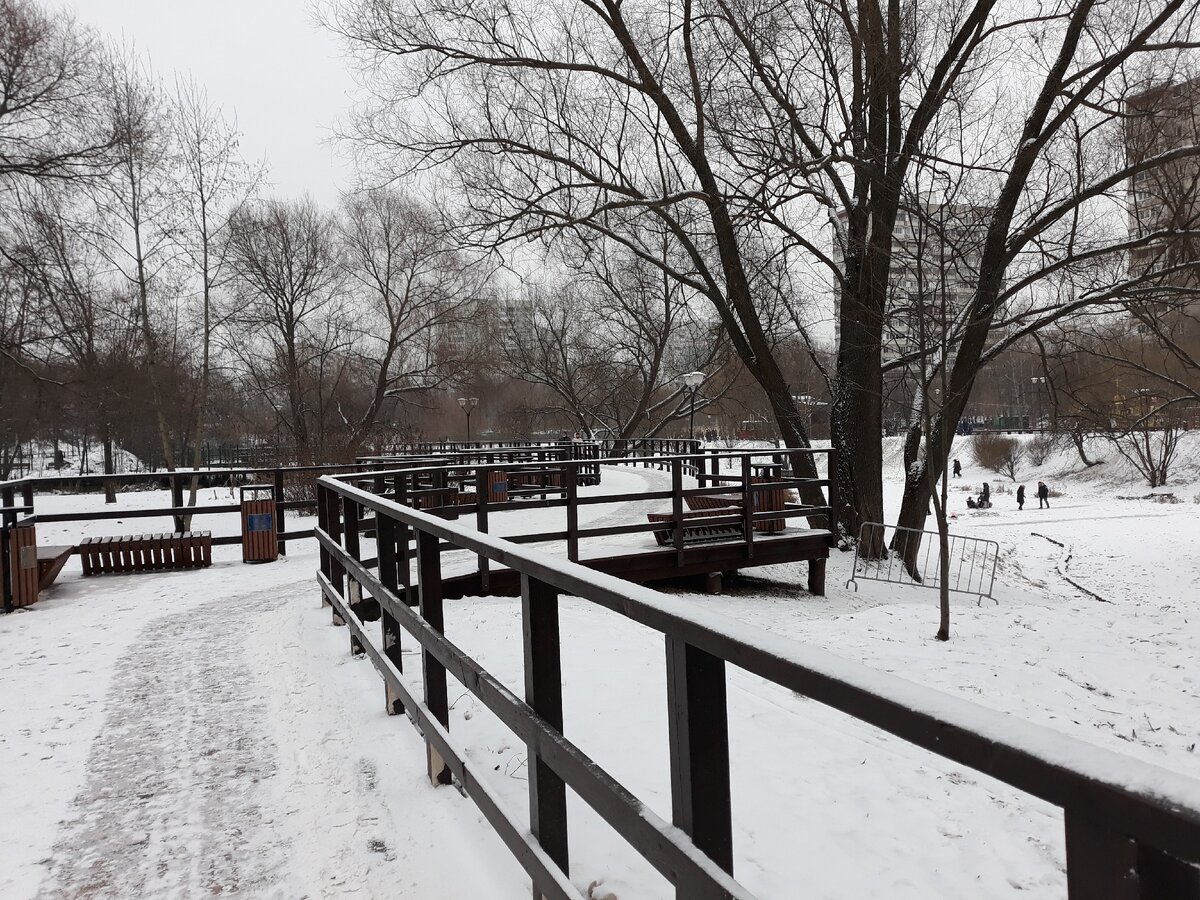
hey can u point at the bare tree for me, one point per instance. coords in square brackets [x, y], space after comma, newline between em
[53, 123]
[140, 204]
[216, 183]
[285, 327]
[90, 335]
[415, 290]
[739, 129]
[611, 340]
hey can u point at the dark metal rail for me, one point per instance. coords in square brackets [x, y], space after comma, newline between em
[1132, 829]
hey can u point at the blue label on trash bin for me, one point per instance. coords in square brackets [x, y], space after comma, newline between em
[260, 522]
[499, 487]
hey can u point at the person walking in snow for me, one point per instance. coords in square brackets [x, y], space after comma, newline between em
[957, 469]
[1021, 497]
[1043, 495]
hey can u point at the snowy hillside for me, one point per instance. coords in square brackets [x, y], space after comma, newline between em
[38, 458]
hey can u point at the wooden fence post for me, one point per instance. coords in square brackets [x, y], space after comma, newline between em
[748, 505]
[429, 574]
[835, 501]
[280, 521]
[543, 692]
[698, 733]
[337, 572]
[7, 520]
[323, 524]
[1101, 864]
[177, 500]
[677, 508]
[483, 491]
[404, 557]
[1163, 877]
[385, 537]
[353, 594]
[571, 481]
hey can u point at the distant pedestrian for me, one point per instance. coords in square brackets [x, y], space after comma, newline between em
[957, 469]
[1021, 497]
[1043, 495]
[985, 496]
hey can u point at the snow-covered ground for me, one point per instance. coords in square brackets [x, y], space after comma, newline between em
[179, 734]
[38, 458]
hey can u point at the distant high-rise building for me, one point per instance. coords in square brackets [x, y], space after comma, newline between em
[1164, 199]
[936, 258]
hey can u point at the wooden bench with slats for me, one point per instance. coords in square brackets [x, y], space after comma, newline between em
[146, 552]
[695, 534]
[764, 501]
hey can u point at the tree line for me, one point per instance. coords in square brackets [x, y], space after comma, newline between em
[760, 155]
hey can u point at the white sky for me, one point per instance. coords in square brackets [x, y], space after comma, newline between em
[266, 61]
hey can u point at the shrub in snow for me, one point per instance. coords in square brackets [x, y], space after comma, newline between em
[998, 453]
[1039, 448]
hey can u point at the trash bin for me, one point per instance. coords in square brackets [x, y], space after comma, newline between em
[497, 486]
[259, 539]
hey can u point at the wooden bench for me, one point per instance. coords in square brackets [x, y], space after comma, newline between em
[695, 534]
[146, 552]
[764, 501]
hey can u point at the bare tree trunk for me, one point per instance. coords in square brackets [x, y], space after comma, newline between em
[110, 487]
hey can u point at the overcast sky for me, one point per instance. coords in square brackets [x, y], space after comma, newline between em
[266, 60]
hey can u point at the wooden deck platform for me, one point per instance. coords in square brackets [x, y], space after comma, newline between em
[657, 565]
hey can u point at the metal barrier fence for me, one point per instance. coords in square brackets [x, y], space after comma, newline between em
[1132, 829]
[972, 560]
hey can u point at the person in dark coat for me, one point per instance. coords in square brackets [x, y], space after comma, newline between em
[1043, 495]
[957, 469]
[985, 496]
[1021, 497]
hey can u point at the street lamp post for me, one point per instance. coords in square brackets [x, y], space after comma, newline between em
[692, 380]
[468, 405]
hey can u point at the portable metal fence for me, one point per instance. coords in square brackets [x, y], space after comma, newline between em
[915, 558]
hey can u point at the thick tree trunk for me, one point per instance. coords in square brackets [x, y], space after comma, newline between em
[857, 422]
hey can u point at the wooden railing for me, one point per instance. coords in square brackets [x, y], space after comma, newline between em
[18, 502]
[748, 499]
[1132, 829]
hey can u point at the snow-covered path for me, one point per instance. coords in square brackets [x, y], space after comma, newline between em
[217, 741]
[177, 778]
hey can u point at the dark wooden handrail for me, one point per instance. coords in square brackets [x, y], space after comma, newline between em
[1122, 815]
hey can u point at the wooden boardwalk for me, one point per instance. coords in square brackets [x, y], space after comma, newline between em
[708, 524]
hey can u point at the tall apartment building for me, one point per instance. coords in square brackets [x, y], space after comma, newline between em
[1164, 201]
[936, 257]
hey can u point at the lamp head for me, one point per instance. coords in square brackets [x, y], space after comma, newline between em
[693, 379]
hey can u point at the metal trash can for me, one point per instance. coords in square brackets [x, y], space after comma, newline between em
[259, 537]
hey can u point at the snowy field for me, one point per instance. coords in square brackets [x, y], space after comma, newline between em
[186, 734]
